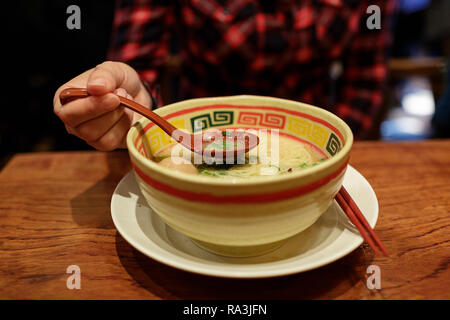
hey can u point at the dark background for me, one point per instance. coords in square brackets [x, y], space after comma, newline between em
[43, 54]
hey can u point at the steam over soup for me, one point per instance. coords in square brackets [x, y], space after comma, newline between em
[293, 155]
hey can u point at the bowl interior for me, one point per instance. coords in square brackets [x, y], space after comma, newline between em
[314, 126]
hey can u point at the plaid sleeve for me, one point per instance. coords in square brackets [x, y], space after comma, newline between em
[140, 38]
[365, 72]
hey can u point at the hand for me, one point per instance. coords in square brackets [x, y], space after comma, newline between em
[99, 119]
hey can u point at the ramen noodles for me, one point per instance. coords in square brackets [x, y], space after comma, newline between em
[279, 156]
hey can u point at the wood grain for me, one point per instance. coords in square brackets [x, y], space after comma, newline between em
[55, 213]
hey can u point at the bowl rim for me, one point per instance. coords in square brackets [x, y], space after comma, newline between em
[254, 181]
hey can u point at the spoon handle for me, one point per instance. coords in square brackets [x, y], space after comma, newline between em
[70, 94]
[186, 139]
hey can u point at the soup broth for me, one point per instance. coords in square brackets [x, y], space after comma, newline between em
[293, 156]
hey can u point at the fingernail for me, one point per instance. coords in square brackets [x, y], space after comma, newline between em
[98, 82]
[121, 92]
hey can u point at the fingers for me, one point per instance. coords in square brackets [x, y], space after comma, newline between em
[114, 137]
[107, 131]
[94, 129]
[98, 119]
[123, 93]
[81, 110]
[103, 79]
[108, 76]
[77, 82]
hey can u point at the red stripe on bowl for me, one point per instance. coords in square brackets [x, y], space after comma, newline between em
[250, 198]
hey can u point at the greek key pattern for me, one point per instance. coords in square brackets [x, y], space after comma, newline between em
[271, 120]
[219, 118]
[333, 144]
[316, 133]
[309, 130]
[158, 139]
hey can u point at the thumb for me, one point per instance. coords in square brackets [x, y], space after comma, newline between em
[105, 78]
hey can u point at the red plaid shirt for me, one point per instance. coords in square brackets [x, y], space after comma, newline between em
[278, 48]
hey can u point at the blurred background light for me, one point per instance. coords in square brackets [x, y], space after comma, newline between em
[405, 128]
[409, 6]
[419, 102]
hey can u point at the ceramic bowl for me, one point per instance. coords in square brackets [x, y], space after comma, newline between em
[249, 216]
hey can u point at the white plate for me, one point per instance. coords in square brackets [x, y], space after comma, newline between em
[328, 240]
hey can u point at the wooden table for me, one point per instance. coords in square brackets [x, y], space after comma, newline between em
[55, 212]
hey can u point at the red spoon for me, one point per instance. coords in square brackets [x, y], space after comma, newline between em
[236, 142]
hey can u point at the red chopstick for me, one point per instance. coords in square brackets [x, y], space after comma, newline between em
[355, 215]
